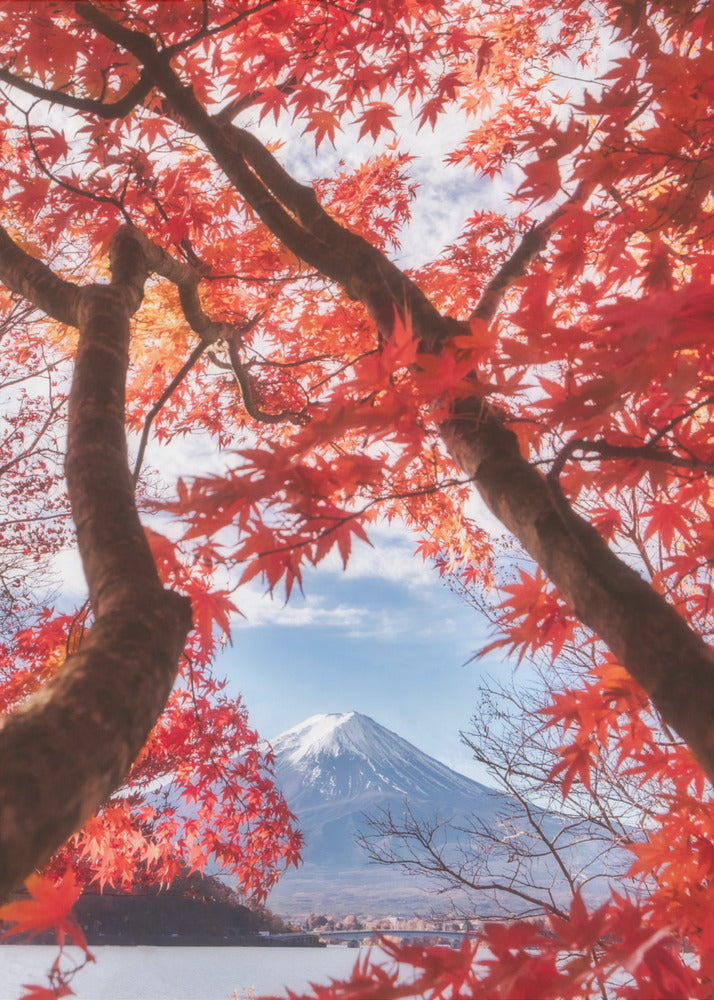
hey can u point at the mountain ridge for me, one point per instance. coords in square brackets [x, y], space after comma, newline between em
[390, 763]
[334, 768]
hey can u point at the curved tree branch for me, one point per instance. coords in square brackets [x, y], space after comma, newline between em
[248, 396]
[600, 448]
[116, 109]
[187, 280]
[102, 199]
[23, 274]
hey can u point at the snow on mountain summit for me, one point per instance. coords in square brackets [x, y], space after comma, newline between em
[348, 755]
[325, 731]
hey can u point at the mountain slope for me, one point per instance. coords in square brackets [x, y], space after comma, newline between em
[334, 769]
[349, 756]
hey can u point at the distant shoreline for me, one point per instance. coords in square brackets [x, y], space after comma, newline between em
[166, 919]
[195, 941]
[184, 941]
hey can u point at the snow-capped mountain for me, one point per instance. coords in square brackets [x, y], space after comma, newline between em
[339, 756]
[336, 769]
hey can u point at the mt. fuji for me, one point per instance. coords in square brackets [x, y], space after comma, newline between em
[330, 757]
[334, 769]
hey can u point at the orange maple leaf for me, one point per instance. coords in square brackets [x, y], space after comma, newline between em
[48, 908]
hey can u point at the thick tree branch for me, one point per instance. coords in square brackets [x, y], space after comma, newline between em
[65, 750]
[289, 209]
[116, 109]
[646, 634]
[187, 280]
[23, 274]
[246, 388]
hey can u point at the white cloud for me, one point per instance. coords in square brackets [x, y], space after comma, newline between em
[391, 559]
[409, 621]
[312, 611]
[191, 455]
[71, 584]
[354, 621]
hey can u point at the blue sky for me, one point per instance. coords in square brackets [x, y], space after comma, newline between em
[386, 637]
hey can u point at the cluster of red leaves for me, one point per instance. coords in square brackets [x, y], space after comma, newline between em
[365, 450]
[202, 790]
[600, 118]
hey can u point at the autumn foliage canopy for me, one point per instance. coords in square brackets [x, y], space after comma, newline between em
[206, 201]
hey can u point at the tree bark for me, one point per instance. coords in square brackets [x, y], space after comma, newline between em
[71, 745]
[647, 635]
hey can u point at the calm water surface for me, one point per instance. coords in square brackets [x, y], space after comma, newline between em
[146, 973]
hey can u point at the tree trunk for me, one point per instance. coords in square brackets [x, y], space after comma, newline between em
[71, 745]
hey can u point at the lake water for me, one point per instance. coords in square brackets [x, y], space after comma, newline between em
[147, 973]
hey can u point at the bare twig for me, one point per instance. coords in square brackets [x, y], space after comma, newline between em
[591, 450]
[163, 399]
